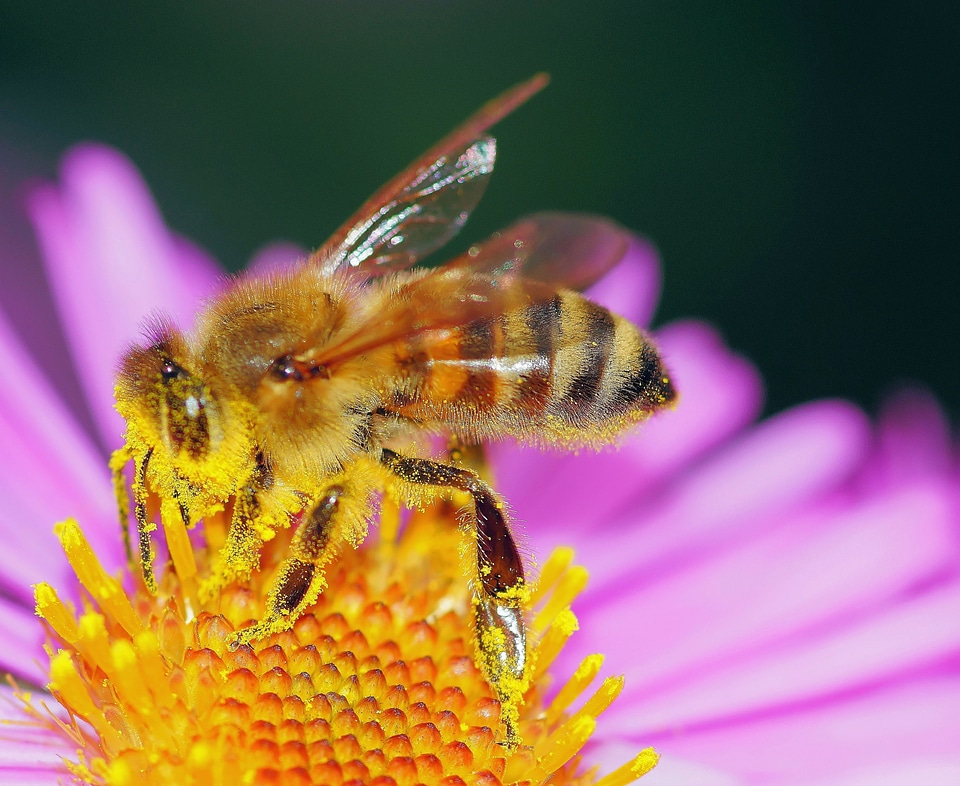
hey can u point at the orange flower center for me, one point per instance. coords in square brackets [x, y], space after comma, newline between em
[377, 684]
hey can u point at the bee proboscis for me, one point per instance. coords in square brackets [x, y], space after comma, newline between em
[296, 393]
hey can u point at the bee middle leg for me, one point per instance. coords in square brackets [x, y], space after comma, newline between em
[501, 631]
[300, 578]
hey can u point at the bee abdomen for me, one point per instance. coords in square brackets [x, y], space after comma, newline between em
[606, 372]
[550, 370]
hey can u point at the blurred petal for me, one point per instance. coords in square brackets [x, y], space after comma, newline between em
[785, 462]
[56, 473]
[907, 636]
[913, 440]
[909, 727]
[829, 566]
[274, 258]
[632, 288]
[23, 640]
[111, 263]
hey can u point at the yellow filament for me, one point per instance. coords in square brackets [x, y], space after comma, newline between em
[645, 761]
[564, 626]
[181, 552]
[93, 635]
[65, 681]
[106, 590]
[571, 584]
[389, 519]
[169, 701]
[154, 668]
[555, 566]
[51, 608]
[564, 744]
[582, 677]
[605, 695]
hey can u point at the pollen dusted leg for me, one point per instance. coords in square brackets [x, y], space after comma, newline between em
[501, 632]
[240, 554]
[144, 527]
[300, 578]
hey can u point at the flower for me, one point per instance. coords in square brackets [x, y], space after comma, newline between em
[783, 598]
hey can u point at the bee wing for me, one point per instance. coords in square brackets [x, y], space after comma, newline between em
[524, 264]
[571, 250]
[428, 202]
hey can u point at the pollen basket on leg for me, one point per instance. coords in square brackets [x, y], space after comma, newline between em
[379, 677]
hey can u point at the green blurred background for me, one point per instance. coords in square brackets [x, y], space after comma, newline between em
[795, 162]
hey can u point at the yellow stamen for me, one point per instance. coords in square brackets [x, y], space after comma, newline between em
[556, 565]
[645, 761]
[563, 627]
[104, 589]
[378, 682]
[570, 584]
[51, 608]
[582, 677]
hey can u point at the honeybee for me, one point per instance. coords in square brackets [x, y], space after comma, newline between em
[293, 396]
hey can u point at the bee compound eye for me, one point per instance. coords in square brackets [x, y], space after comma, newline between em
[290, 368]
[284, 367]
[170, 370]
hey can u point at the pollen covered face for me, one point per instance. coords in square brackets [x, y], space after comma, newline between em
[184, 432]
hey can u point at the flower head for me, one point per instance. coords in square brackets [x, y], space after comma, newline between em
[782, 598]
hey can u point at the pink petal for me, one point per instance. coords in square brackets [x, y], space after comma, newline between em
[937, 771]
[57, 473]
[909, 727]
[632, 288]
[23, 639]
[822, 567]
[29, 753]
[720, 394]
[274, 258]
[913, 440]
[111, 263]
[907, 636]
[780, 465]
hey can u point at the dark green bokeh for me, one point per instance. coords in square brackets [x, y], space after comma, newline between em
[796, 163]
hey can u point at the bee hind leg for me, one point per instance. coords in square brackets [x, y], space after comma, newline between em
[300, 578]
[501, 630]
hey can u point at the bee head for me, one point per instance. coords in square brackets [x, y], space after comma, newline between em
[173, 412]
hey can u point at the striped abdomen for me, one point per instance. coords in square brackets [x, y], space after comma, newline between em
[562, 369]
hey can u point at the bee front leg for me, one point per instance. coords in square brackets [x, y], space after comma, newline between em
[300, 579]
[240, 554]
[501, 630]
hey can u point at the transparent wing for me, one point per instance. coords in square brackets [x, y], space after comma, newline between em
[572, 250]
[426, 204]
